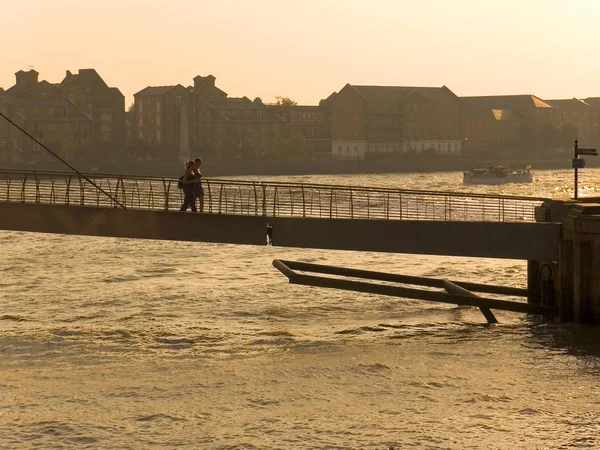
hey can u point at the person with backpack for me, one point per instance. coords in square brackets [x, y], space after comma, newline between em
[198, 191]
[187, 182]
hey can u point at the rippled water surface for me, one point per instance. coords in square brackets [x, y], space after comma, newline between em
[117, 343]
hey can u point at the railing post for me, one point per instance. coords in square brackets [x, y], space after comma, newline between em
[446, 201]
[387, 206]
[68, 193]
[274, 201]
[264, 199]
[331, 204]
[221, 197]
[23, 183]
[400, 204]
[351, 205]
[303, 203]
[166, 193]
[37, 187]
[209, 196]
[52, 191]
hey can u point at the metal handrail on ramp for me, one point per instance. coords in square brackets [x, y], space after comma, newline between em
[290, 268]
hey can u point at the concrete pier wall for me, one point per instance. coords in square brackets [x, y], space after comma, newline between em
[579, 288]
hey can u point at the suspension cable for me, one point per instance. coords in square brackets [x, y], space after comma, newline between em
[63, 161]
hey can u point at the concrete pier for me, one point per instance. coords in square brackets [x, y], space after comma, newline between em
[579, 264]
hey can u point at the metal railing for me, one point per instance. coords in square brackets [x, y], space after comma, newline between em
[271, 199]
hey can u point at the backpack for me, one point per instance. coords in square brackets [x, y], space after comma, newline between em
[180, 184]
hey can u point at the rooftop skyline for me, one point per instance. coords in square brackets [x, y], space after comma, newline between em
[307, 50]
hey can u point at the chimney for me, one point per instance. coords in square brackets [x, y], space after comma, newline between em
[258, 100]
[198, 82]
[69, 73]
[26, 78]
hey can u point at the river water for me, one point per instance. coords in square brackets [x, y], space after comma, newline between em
[136, 344]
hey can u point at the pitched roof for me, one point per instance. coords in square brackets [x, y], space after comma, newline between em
[156, 90]
[474, 105]
[506, 115]
[566, 101]
[237, 103]
[594, 102]
[399, 93]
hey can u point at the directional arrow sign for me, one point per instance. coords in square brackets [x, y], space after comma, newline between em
[587, 151]
[578, 163]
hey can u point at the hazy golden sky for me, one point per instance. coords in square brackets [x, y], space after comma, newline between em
[306, 49]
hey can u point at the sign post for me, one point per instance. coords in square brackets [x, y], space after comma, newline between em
[579, 163]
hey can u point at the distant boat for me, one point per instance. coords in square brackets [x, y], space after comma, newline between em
[498, 175]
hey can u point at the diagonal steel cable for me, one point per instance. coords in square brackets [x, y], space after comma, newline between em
[62, 160]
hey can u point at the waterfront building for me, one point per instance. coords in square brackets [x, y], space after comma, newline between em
[306, 129]
[40, 109]
[594, 103]
[163, 121]
[492, 129]
[237, 128]
[368, 121]
[91, 106]
[576, 112]
[104, 105]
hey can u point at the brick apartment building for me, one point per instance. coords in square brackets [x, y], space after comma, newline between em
[594, 103]
[502, 120]
[577, 112]
[368, 120]
[81, 117]
[40, 109]
[309, 125]
[163, 121]
[177, 123]
[104, 105]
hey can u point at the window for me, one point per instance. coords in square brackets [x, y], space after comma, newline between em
[72, 98]
[178, 99]
[157, 105]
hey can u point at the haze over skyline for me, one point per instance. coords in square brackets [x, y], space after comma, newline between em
[306, 50]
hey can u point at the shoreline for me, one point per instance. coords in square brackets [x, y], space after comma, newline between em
[214, 169]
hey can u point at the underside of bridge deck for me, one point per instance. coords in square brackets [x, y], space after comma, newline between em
[526, 241]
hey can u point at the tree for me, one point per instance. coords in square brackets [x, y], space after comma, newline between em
[568, 133]
[131, 107]
[285, 101]
[549, 136]
[297, 146]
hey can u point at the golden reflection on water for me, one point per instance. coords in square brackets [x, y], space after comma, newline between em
[119, 343]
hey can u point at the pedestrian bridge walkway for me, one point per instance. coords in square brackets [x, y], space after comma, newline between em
[299, 215]
[272, 199]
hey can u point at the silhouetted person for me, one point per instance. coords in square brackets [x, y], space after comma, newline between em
[188, 181]
[198, 190]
